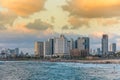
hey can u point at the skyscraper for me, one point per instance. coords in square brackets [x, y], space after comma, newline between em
[51, 44]
[105, 44]
[98, 51]
[49, 47]
[61, 46]
[46, 49]
[75, 45]
[71, 44]
[83, 43]
[17, 51]
[39, 49]
[113, 47]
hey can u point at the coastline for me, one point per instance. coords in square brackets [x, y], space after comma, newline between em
[98, 61]
[107, 61]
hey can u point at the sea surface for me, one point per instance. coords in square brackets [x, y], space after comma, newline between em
[35, 70]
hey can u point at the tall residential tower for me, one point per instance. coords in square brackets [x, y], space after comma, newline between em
[61, 46]
[49, 48]
[113, 47]
[105, 44]
[39, 49]
[83, 43]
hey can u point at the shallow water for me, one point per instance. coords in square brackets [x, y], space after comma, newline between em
[32, 70]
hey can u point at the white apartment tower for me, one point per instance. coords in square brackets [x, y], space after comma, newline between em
[61, 46]
[46, 49]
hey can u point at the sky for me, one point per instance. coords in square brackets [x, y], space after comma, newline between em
[22, 22]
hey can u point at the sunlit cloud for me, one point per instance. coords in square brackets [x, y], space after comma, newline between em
[94, 8]
[31, 20]
[108, 21]
[7, 17]
[78, 22]
[65, 27]
[23, 7]
[52, 19]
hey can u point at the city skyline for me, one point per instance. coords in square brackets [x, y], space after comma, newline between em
[21, 26]
[69, 37]
[60, 39]
[62, 46]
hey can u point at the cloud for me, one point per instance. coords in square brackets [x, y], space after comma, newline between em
[39, 25]
[65, 27]
[108, 21]
[93, 9]
[7, 17]
[23, 7]
[2, 27]
[23, 40]
[77, 22]
[52, 19]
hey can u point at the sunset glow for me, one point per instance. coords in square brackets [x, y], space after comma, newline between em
[24, 21]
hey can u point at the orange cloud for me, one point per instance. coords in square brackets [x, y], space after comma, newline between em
[77, 23]
[108, 21]
[23, 7]
[94, 8]
[7, 17]
[18, 29]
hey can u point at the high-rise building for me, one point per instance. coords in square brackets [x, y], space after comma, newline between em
[87, 43]
[39, 49]
[98, 51]
[17, 51]
[105, 44]
[47, 49]
[51, 42]
[75, 44]
[71, 44]
[61, 46]
[83, 43]
[12, 51]
[113, 47]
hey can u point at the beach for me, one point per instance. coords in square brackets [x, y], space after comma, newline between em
[93, 61]
[104, 61]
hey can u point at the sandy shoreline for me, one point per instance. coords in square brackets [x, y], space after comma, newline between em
[104, 61]
[107, 61]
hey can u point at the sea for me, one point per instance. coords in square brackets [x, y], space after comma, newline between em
[36, 70]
